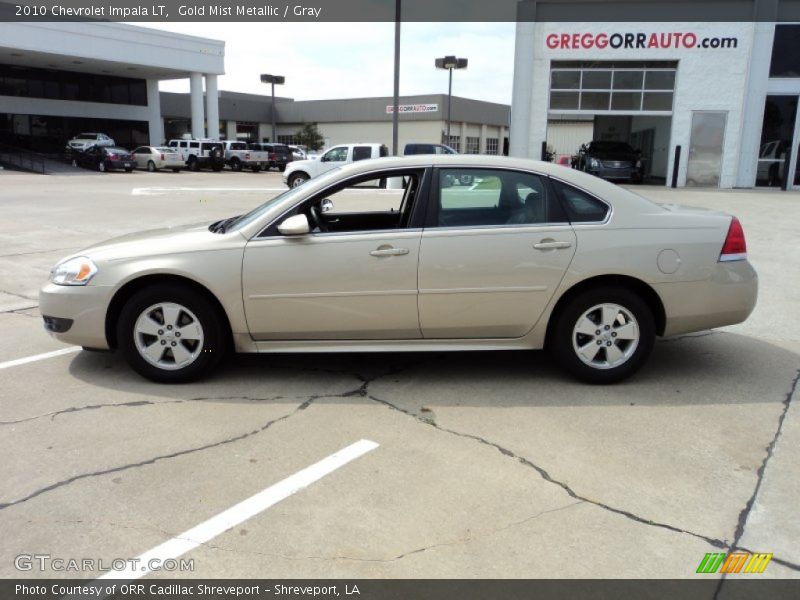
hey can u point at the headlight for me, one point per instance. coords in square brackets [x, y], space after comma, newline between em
[594, 163]
[75, 271]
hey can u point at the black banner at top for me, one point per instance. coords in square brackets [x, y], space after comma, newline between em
[410, 10]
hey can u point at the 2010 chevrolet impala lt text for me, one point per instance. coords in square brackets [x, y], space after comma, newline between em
[405, 254]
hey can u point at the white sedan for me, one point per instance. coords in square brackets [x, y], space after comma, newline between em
[154, 158]
[529, 255]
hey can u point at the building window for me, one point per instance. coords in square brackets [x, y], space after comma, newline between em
[66, 85]
[454, 141]
[786, 52]
[612, 86]
[776, 138]
[473, 145]
[492, 145]
[286, 139]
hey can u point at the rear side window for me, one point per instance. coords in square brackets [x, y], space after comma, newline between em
[238, 146]
[480, 198]
[194, 144]
[361, 153]
[580, 206]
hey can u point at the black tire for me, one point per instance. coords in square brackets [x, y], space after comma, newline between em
[236, 164]
[256, 168]
[215, 339]
[101, 166]
[129, 169]
[176, 170]
[193, 165]
[560, 341]
[282, 168]
[151, 166]
[296, 179]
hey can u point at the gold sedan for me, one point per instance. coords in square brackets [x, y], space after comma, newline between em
[407, 254]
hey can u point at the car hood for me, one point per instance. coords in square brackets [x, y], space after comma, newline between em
[167, 240]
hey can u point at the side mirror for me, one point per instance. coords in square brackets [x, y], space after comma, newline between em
[296, 225]
[323, 159]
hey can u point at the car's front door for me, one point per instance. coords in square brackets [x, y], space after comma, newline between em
[335, 157]
[356, 281]
[493, 252]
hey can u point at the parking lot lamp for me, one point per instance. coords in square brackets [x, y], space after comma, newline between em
[450, 63]
[273, 79]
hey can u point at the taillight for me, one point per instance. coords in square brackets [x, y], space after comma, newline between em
[247, 156]
[112, 156]
[162, 157]
[272, 156]
[735, 247]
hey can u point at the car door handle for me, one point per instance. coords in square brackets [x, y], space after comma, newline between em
[552, 245]
[389, 252]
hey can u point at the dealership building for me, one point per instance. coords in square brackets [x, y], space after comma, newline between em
[725, 93]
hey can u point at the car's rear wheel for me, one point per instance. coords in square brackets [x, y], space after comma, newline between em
[171, 334]
[176, 170]
[297, 179]
[236, 164]
[193, 164]
[603, 335]
[101, 166]
[151, 166]
[256, 168]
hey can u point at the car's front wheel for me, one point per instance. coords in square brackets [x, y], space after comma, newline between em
[297, 179]
[171, 334]
[151, 166]
[603, 335]
[101, 166]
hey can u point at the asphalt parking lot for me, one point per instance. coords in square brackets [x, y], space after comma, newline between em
[483, 464]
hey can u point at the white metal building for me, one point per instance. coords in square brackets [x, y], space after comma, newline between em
[725, 92]
[59, 79]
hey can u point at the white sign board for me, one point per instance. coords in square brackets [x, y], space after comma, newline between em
[413, 108]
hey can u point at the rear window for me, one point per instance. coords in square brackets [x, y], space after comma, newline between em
[580, 206]
[361, 153]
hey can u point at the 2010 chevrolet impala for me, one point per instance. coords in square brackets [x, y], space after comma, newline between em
[418, 253]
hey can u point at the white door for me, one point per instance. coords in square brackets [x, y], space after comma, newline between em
[335, 157]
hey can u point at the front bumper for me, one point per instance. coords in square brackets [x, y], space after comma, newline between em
[121, 164]
[617, 174]
[727, 297]
[84, 306]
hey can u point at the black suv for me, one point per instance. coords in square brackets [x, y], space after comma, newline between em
[279, 154]
[611, 160]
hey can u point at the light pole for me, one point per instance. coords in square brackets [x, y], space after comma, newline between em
[273, 79]
[450, 63]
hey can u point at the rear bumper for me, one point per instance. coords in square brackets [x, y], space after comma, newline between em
[727, 297]
[82, 307]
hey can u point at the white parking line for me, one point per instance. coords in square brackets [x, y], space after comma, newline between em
[160, 191]
[230, 518]
[36, 357]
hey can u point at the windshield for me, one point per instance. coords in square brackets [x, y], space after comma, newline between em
[611, 147]
[296, 192]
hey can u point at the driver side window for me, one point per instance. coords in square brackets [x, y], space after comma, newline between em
[335, 154]
[346, 209]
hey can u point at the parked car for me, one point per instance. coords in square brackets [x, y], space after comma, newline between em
[153, 158]
[82, 141]
[200, 153]
[300, 171]
[615, 161]
[416, 148]
[104, 159]
[238, 156]
[534, 256]
[298, 152]
[279, 155]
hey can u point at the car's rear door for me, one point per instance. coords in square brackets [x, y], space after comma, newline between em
[492, 254]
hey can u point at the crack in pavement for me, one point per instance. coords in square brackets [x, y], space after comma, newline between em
[547, 477]
[359, 391]
[469, 538]
[155, 459]
[138, 403]
[689, 336]
[18, 311]
[748, 507]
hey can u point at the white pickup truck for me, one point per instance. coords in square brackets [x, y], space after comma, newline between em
[299, 171]
[238, 156]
